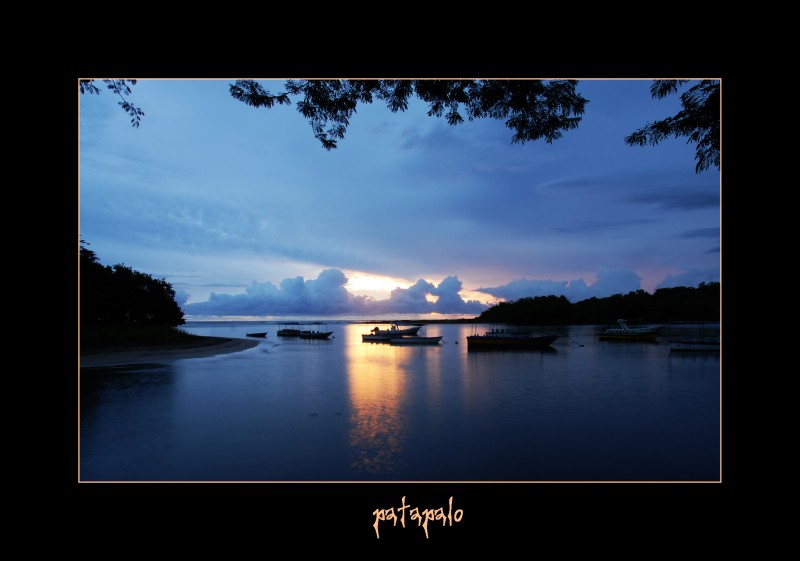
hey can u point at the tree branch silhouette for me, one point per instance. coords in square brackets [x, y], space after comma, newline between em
[698, 121]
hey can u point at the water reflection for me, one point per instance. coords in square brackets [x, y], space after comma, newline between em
[377, 384]
[99, 384]
[511, 350]
[485, 371]
[125, 419]
[345, 410]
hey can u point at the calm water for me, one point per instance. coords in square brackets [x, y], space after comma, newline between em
[343, 410]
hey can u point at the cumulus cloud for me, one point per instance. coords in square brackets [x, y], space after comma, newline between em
[414, 299]
[620, 280]
[448, 298]
[181, 296]
[326, 295]
[609, 281]
[690, 277]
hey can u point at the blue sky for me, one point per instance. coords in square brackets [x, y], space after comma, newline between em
[244, 212]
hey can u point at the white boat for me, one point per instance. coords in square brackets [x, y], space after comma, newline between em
[372, 338]
[378, 334]
[396, 331]
[626, 333]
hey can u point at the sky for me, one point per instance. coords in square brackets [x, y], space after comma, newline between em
[247, 216]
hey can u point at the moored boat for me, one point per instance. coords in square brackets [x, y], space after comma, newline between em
[288, 331]
[260, 334]
[501, 338]
[396, 331]
[314, 333]
[372, 338]
[377, 334]
[626, 333]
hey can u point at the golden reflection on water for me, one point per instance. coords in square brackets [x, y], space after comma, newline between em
[377, 384]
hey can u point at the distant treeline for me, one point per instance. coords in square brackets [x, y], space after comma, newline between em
[666, 304]
[118, 295]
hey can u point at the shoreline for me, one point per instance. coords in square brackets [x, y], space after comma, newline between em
[120, 355]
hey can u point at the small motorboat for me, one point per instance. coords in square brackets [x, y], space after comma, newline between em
[626, 333]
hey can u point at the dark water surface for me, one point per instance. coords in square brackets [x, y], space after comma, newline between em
[343, 410]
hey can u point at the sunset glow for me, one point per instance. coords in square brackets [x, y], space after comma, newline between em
[480, 297]
[244, 214]
[375, 286]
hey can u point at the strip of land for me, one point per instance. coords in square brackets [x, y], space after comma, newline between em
[199, 347]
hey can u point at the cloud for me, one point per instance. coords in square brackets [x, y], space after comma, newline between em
[593, 226]
[608, 282]
[615, 281]
[448, 297]
[181, 296]
[678, 199]
[408, 300]
[326, 295]
[690, 277]
[702, 233]
[660, 189]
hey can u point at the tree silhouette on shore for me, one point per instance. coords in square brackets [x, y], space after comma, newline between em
[119, 295]
[681, 303]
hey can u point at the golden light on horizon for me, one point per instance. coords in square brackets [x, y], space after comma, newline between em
[376, 286]
[481, 297]
[380, 287]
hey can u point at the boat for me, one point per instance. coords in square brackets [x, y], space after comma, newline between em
[378, 335]
[415, 340]
[372, 338]
[503, 338]
[699, 344]
[396, 331]
[627, 333]
[287, 331]
[261, 334]
[314, 333]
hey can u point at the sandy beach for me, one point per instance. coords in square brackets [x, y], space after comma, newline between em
[106, 355]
